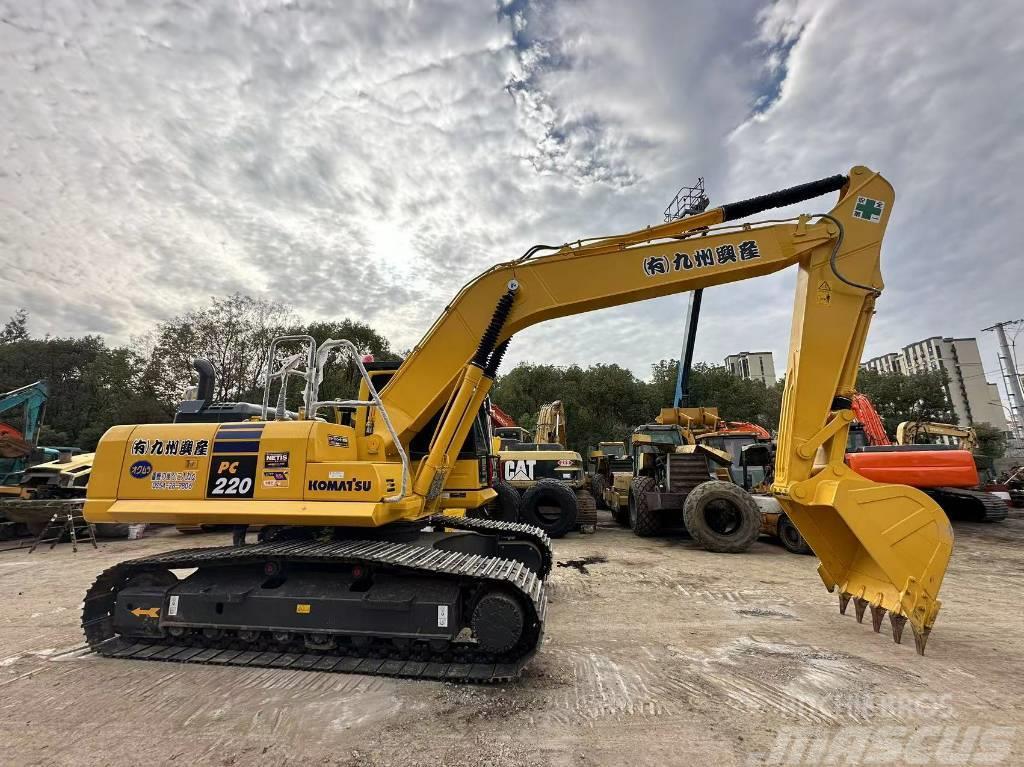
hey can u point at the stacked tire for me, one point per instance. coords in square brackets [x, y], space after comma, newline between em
[550, 505]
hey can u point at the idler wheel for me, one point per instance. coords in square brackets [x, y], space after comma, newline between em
[497, 622]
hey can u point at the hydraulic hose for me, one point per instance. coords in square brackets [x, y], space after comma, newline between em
[496, 357]
[783, 197]
[490, 336]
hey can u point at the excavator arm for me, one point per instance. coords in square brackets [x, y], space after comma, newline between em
[881, 545]
[551, 423]
[908, 432]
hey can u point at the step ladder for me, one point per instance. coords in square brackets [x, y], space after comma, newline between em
[67, 519]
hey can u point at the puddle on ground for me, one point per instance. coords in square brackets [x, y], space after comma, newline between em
[581, 563]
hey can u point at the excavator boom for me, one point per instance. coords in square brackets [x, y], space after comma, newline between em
[551, 424]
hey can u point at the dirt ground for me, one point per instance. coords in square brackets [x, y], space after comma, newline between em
[661, 654]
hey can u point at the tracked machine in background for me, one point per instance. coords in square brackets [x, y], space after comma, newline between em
[947, 473]
[26, 404]
[363, 566]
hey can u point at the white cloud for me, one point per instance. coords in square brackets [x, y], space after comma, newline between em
[365, 159]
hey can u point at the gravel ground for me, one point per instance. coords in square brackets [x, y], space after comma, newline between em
[656, 653]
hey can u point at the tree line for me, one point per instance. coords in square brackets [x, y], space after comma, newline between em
[94, 386]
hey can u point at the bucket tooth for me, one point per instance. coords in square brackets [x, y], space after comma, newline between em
[898, 622]
[877, 613]
[844, 600]
[920, 637]
[859, 605]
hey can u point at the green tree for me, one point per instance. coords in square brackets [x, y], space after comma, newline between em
[601, 402]
[16, 328]
[92, 387]
[991, 441]
[737, 399]
[341, 378]
[233, 333]
[916, 397]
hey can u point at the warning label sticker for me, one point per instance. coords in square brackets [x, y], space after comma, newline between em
[824, 293]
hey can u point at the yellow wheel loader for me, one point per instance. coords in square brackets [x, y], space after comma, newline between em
[681, 483]
[367, 569]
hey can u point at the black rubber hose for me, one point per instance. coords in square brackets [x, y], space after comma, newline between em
[496, 357]
[783, 197]
[490, 336]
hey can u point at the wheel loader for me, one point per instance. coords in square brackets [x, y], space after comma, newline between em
[753, 461]
[678, 481]
[368, 570]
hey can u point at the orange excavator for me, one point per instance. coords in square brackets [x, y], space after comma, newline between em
[948, 474]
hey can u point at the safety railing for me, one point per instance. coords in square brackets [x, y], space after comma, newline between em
[301, 365]
[374, 403]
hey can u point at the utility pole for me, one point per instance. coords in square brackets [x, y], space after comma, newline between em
[1011, 378]
[689, 201]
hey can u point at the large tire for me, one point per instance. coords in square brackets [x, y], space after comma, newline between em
[642, 518]
[722, 517]
[551, 506]
[790, 537]
[598, 484]
[504, 508]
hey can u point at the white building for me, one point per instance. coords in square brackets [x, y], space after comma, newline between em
[757, 366]
[972, 397]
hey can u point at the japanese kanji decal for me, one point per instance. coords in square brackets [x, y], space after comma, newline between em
[867, 209]
[701, 258]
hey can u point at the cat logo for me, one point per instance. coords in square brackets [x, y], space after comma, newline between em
[519, 470]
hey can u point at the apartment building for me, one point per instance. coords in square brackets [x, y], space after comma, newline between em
[972, 397]
[758, 366]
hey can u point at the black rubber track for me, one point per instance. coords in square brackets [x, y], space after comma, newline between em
[462, 662]
[970, 505]
[519, 531]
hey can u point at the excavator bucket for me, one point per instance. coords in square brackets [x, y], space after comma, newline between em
[883, 546]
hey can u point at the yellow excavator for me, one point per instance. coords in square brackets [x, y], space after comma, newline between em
[915, 432]
[361, 568]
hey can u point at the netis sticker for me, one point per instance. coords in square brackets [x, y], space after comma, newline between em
[442, 616]
[275, 461]
[172, 605]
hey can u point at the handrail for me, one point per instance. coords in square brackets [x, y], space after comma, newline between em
[287, 369]
[374, 402]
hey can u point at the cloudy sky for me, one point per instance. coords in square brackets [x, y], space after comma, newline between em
[363, 159]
